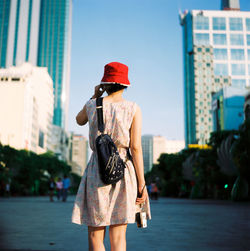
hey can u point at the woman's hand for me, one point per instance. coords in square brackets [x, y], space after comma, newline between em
[142, 195]
[99, 90]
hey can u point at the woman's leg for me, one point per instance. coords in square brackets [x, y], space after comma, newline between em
[96, 237]
[117, 235]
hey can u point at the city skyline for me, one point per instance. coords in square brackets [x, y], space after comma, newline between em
[149, 42]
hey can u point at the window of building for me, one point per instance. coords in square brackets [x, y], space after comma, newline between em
[236, 39]
[220, 54]
[237, 54]
[238, 69]
[41, 139]
[219, 23]
[221, 69]
[248, 40]
[235, 24]
[225, 80]
[201, 39]
[217, 80]
[248, 54]
[248, 24]
[220, 39]
[208, 64]
[207, 49]
[249, 69]
[15, 79]
[201, 23]
[199, 49]
[238, 83]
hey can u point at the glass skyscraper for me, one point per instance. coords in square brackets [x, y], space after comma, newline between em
[39, 32]
[216, 47]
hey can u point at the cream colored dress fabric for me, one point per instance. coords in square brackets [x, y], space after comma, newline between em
[98, 204]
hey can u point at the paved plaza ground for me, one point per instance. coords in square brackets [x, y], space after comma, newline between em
[34, 223]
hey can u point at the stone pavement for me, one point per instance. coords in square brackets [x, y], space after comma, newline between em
[34, 223]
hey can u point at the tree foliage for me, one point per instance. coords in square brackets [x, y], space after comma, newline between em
[27, 172]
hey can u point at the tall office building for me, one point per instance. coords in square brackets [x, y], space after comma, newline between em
[39, 32]
[216, 47]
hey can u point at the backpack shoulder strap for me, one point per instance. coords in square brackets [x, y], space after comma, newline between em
[99, 111]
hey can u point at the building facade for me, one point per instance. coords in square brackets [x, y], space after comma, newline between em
[228, 108]
[26, 94]
[174, 146]
[147, 151]
[78, 153]
[216, 46]
[159, 147]
[39, 32]
[60, 144]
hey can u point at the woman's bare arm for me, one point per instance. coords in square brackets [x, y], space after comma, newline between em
[82, 118]
[136, 151]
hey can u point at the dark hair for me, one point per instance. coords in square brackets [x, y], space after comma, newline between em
[111, 88]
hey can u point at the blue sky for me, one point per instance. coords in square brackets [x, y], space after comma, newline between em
[145, 35]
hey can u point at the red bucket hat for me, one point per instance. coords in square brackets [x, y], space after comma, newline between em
[115, 73]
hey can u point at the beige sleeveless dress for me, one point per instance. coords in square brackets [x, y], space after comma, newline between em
[98, 204]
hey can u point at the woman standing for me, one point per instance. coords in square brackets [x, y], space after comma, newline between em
[98, 205]
[59, 188]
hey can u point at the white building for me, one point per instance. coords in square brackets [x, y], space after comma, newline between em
[159, 147]
[163, 145]
[174, 146]
[78, 153]
[216, 54]
[26, 111]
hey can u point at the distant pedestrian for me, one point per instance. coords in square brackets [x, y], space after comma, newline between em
[52, 186]
[66, 185]
[154, 191]
[7, 188]
[59, 188]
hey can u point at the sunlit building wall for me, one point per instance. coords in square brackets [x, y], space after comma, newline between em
[159, 147]
[174, 146]
[26, 111]
[226, 34]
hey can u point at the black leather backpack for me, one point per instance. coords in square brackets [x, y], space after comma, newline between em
[111, 166]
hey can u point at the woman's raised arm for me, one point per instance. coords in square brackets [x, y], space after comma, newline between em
[82, 118]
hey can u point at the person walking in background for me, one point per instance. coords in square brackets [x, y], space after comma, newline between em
[59, 188]
[115, 205]
[51, 185]
[66, 185]
[154, 191]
